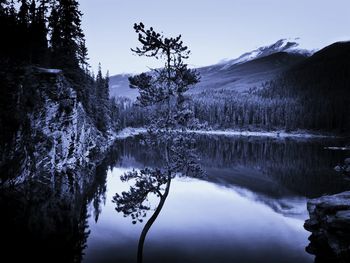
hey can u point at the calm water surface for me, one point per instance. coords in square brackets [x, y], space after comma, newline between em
[250, 206]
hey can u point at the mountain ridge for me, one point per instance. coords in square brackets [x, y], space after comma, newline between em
[282, 45]
[235, 73]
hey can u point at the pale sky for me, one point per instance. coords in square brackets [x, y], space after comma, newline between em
[213, 29]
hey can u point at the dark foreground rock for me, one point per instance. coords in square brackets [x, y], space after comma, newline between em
[329, 224]
[344, 168]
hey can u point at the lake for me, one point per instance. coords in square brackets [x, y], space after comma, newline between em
[249, 207]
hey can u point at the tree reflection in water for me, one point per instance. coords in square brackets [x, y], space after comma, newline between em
[163, 92]
[180, 160]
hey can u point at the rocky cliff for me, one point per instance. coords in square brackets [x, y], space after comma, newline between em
[329, 224]
[50, 171]
[56, 138]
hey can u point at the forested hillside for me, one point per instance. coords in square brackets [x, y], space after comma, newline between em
[320, 85]
[49, 98]
[244, 76]
[313, 94]
[283, 91]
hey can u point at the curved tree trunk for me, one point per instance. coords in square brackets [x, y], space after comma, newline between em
[152, 220]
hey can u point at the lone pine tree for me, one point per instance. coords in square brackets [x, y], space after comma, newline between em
[165, 87]
[163, 91]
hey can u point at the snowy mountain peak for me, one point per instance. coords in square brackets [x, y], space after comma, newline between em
[282, 45]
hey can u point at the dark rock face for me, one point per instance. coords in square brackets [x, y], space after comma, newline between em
[58, 137]
[329, 224]
[345, 168]
[51, 170]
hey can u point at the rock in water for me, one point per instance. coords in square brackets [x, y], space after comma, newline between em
[329, 224]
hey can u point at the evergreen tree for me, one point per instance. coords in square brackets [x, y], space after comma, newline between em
[83, 56]
[67, 36]
[10, 44]
[39, 30]
[22, 35]
[26, 24]
[32, 11]
[163, 91]
[106, 87]
[23, 13]
[165, 87]
[106, 100]
[55, 32]
[102, 106]
[4, 22]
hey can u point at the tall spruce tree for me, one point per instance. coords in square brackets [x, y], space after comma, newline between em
[32, 11]
[67, 44]
[23, 13]
[66, 34]
[39, 31]
[83, 56]
[102, 100]
[4, 22]
[55, 31]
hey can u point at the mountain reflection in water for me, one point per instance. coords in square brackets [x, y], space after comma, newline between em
[250, 207]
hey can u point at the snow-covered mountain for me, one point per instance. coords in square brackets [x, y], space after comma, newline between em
[252, 69]
[248, 71]
[282, 45]
[245, 76]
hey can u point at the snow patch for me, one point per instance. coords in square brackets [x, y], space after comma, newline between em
[130, 132]
[49, 70]
[282, 45]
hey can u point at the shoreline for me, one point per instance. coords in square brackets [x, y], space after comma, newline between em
[270, 134]
[130, 132]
